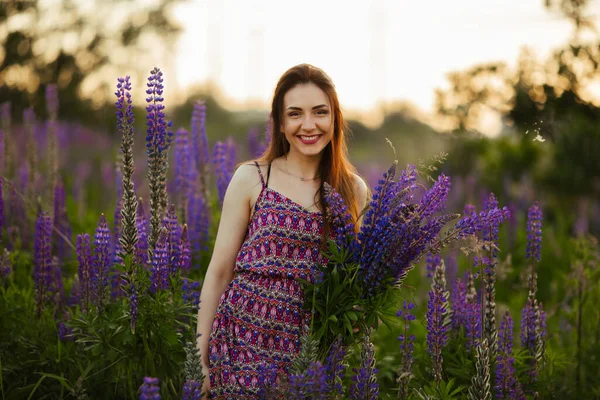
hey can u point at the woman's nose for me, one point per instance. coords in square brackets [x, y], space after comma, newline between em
[308, 124]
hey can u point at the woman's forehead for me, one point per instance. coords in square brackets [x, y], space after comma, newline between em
[305, 95]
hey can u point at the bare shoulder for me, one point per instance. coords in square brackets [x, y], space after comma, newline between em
[246, 176]
[361, 188]
[245, 182]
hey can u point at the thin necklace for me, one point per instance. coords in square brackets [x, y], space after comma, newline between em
[296, 176]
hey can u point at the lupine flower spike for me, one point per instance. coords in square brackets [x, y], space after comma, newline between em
[150, 389]
[407, 340]
[129, 235]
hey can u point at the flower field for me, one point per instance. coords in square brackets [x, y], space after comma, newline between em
[458, 291]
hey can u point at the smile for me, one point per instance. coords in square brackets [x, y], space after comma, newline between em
[309, 139]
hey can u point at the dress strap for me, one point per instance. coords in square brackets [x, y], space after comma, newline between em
[268, 174]
[260, 174]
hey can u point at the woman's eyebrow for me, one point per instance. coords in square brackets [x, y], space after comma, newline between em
[314, 108]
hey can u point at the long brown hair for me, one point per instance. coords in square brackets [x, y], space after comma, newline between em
[335, 167]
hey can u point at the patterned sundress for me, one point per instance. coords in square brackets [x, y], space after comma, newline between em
[260, 316]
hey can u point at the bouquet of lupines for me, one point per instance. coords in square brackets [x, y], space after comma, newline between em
[359, 285]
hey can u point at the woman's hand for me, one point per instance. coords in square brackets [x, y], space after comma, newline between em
[206, 383]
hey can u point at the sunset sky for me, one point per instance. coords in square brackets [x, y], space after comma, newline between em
[379, 50]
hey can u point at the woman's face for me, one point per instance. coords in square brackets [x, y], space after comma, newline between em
[307, 119]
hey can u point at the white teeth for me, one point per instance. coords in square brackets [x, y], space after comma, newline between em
[309, 137]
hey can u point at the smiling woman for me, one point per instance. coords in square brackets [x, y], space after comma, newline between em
[274, 225]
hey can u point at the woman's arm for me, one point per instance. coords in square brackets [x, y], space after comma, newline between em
[230, 236]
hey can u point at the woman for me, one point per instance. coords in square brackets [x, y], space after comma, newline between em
[273, 226]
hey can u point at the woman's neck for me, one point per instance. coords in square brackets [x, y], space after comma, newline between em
[301, 165]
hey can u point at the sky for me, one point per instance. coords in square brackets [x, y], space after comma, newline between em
[374, 51]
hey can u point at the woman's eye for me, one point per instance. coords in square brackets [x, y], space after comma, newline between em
[293, 114]
[322, 112]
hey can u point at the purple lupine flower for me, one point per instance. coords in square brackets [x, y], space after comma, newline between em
[160, 263]
[185, 255]
[183, 165]
[434, 200]
[373, 236]
[534, 232]
[267, 379]
[191, 292]
[341, 220]
[334, 367]
[56, 285]
[528, 324]
[459, 304]
[222, 174]
[174, 239]
[364, 383]
[199, 223]
[431, 262]
[269, 130]
[75, 295]
[507, 386]
[65, 332]
[141, 249]
[5, 267]
[192, 390]
[150, 389]
[156, 139]
[473, 326]
[133, 305]
[408, 181]
[469, 209]
[406, 349]
[310, 384]
[451, 262]
[42, 260]
[437, 328]
[52, 101]
[101, 262]
[199, 139]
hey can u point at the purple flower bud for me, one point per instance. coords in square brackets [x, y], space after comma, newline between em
[341, 220]
[183, 164]
[334, 367]
[311, 384]
[431, 262]
[141, 252]
[156, 138]
[459, 304]
[160, 263]
[185, 258]
[199, 140]
[42, 261]
[150, 389]
[221, 169]
[101, 262]
[192, 390]
[534, 232]
[85, 270]
[199, 223]
[507, 386]
[406, 349]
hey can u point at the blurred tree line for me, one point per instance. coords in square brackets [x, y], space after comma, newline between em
[550, 98]
[82, 47]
